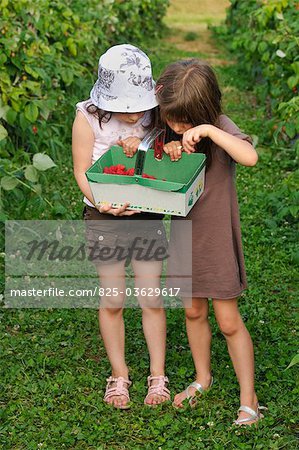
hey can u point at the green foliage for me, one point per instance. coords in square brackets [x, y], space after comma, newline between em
[264, 36]
[48, 61]
[294, 361]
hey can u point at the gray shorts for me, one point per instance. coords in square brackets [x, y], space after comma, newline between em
[112, 239]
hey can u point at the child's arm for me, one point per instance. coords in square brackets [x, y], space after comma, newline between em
[241, 151]
[82, 147]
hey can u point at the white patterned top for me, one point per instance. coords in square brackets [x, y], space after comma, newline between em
[111, 132]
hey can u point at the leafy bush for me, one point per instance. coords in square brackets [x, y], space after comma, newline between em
[264, 35]
[48, 56]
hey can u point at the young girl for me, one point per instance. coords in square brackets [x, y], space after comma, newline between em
[121, 110]
[190, 104]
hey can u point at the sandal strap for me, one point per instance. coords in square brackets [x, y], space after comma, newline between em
[198, 387]
[160, 388]
[261, 408]
[253, 414]
[150, 378]
[117, 390]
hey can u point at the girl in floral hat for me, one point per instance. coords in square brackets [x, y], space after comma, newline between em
[121, 110]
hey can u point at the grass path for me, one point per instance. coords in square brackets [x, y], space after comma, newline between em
[189, 26]
[54, 365]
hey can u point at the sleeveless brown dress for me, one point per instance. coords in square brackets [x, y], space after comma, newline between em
[218, 269]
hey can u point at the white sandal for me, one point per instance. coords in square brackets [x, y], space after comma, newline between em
[193, 398]
[253, 415]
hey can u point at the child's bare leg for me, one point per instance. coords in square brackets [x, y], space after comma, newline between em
[147, 277]
[199, 337]
[112, 324]
[240, 348]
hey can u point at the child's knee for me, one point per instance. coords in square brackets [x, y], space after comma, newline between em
[112, 304]
[111, 310]
[151, 303]
[196, 313]
[230, 325]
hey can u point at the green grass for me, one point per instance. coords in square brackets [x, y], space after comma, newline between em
[54, 366]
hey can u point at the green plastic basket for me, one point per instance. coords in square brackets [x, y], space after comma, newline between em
[173, 177]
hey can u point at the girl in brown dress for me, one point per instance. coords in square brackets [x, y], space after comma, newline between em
[190, 103]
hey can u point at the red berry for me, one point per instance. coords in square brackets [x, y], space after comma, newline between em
[34, 129]
[145, 175]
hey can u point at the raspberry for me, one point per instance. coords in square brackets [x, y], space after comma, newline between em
[120, 169]
[145, 175]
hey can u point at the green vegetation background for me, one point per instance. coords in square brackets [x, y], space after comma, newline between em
[54, 366]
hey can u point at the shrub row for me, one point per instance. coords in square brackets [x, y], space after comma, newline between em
[264, 36]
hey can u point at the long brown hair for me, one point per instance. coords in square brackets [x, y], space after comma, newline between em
[188, 92]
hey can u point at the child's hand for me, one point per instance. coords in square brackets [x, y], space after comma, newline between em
[193, 136]
[130, 145]
[121, 211]
[174, 150]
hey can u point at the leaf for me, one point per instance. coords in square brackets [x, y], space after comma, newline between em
[31, 174]
[59, 208]
[38, 189]
[42, 162]
[31, 71]
[280, 53]
[8, 183]
[255, 140]
[3, 133]
[295, 67]
[31, 112]
[16, 104]
[294, 210]
[294, 361]
[24, 123]
[292, 81]
[3, 111]
[67, 76]
[290, 130]
[262, 47]
[72, 46]
[11, 116]
[3, 59]
[3, 216]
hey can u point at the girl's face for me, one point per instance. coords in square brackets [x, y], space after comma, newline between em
[130, 118]
[179, 127]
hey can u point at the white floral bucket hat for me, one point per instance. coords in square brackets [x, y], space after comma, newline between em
[125, 83]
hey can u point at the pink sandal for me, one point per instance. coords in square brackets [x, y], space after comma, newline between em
[157, 389]
[118, 389]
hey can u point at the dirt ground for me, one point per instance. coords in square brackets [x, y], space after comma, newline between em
[185, 16]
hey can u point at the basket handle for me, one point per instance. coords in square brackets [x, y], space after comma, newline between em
[143, 147]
